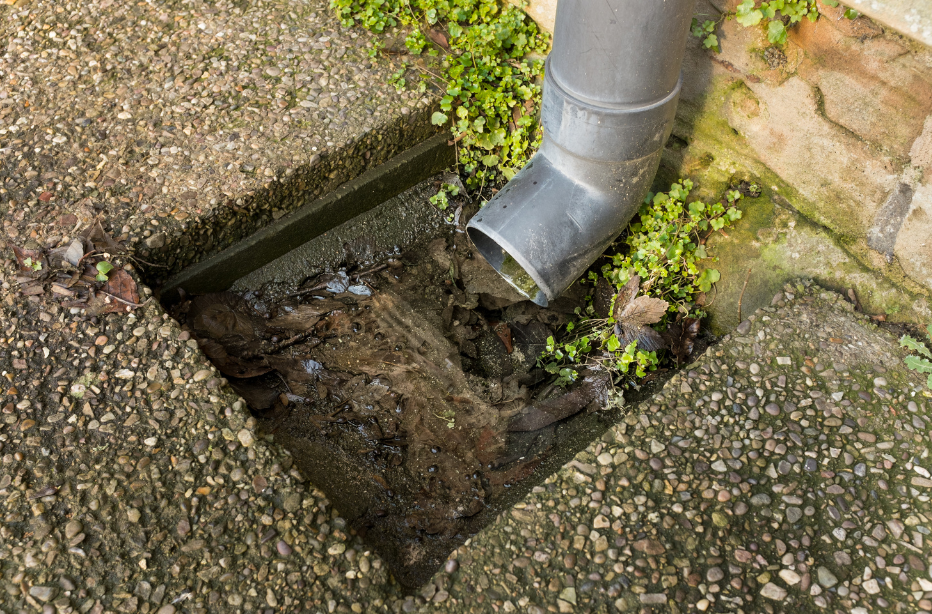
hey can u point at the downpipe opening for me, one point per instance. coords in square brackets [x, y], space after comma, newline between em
[611, 87]
[520, 275]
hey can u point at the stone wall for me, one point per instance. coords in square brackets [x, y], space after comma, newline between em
[836, 127]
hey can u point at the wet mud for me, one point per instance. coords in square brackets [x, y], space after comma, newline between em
[407, 390]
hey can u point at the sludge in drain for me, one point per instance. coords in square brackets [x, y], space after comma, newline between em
[405, 385]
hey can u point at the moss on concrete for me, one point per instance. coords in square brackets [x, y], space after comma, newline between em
[783, 235]
[772, 245]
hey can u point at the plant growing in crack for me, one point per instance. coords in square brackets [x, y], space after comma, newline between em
[923, 362]
[491, 80]
[658, 280]
[776, 15]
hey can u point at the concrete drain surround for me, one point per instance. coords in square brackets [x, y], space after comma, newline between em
[406, 404]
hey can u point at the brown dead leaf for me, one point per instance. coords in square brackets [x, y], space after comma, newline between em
[504, 333]
[680, 338]
[439, 37]
[119, 295]
[644, 310]
[101, 239]
[221, 314]
[34, 255]
[304, 317]
[648, 339]
[626, 295]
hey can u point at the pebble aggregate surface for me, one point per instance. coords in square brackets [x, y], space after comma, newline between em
[785, 471]
[187, 125]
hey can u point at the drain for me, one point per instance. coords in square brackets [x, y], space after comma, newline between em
[400, 372]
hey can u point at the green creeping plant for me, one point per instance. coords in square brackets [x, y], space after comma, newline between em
[665, 248]
[773, 13]
[923, 362]
[492, 81]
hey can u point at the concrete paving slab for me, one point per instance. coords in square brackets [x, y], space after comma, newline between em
[187, 124]
[133, 480]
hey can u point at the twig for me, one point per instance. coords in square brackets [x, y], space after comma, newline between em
[283, 345]
[743, 288]
[138, 259]
[375, 269]
[432, 74]
[126, 302]
[308, 291]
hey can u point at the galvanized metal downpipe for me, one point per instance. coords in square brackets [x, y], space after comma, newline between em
[611, 85]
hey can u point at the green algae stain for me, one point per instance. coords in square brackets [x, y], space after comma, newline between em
[515, 274]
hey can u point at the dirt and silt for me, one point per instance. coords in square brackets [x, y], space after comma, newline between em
[407, 389]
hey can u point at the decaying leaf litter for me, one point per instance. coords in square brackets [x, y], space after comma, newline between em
[79, 272]
[416, 381]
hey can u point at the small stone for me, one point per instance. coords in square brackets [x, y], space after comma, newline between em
[871, 586]
[569, 595]
[337, 549]
[605, 459]
[784, 360]
[744, 327]
[133, 515]
[825, 577]
[73, 528]
[793, 514]
[245, 437]
[772, 591]
[653, 598]
[43, 593]
[201, 375]
[772, 408]
[649, 546]
[760, 499]
[714, 574]
[789, 576]
[283, 548]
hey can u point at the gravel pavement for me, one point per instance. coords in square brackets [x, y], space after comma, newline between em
[786, 470]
